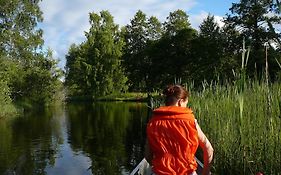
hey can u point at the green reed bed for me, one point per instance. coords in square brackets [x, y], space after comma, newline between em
[243, 126]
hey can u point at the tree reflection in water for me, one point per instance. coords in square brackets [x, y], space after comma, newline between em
[110, 133]
[28, 143]
[81, 138]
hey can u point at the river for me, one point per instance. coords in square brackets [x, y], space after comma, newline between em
[100, 138]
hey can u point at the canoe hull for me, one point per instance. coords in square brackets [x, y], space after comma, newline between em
[143, 168]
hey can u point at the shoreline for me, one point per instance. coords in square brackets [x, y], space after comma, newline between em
[126, 97]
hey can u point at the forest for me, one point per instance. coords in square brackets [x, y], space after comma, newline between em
[146, 54]
[142, 56]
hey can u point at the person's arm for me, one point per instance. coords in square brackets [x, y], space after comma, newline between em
[147, 152]
[207, 150]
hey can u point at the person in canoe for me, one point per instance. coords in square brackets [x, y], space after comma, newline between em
[173, 136]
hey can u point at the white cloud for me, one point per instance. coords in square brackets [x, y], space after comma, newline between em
[197, 19]
[219, 20]
[65, 21]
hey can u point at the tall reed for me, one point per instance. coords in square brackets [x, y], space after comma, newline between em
[244, 131]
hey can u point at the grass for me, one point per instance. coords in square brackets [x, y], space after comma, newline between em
[243, 126]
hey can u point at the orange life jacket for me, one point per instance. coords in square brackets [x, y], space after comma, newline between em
[173, 140]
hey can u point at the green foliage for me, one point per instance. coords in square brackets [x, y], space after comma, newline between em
[208, 50]
[155, 54]
[6, 106]
[94, 67]
[19, 37]
[176, 21]
[171, 54]
[139, 35]
[30, 73]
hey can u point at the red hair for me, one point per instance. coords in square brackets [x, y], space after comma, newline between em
[173, 93]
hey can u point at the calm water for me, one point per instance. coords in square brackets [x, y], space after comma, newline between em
[99, 138]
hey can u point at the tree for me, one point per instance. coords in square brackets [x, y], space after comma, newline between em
[175, 22]
[94, 68]
[139, 35]
[19, 36]
[77, 71]
[35, 77]
[255, 20]
[171, 54]
[209, 28]
[154, 34]
[154, 29]
[135, 39]
[211, 59]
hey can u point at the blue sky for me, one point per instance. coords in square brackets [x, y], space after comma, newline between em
[215, 7]
[66, 20]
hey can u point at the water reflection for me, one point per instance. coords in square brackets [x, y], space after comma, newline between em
[98, 138]
[29, 143]
[108, 133]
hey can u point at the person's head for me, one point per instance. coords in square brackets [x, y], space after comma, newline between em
[175, 95]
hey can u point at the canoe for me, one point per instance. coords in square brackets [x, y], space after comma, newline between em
[143, 168]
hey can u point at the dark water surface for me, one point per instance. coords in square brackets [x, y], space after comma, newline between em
[98, 138]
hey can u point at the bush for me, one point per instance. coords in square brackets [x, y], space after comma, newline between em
[6, 106]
